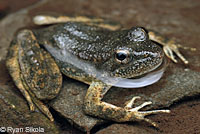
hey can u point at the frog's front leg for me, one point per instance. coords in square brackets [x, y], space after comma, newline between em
[169, 46]
[94, 105]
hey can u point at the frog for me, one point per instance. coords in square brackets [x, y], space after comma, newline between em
[92, 50]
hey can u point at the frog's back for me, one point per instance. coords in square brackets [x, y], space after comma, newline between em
[87, 42]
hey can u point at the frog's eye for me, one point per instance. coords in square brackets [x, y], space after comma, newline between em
[122, 56]
[137, 34]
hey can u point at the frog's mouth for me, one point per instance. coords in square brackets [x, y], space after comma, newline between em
[145, 80]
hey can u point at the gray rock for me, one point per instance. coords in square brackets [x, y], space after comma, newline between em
[125, 129]
[15, 113]
[69, 104]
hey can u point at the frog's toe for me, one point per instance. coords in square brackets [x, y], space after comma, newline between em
[169, 53]
[32, 107]
[141, 106]
[140, 115]
[170, 48]
[44, 109]
[131, 102]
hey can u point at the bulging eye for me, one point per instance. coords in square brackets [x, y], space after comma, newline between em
[122, 56]
[137, 34]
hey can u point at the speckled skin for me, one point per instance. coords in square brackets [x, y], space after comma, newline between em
[85, 51]
[97, 47]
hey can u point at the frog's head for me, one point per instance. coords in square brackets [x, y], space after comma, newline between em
[135, 55]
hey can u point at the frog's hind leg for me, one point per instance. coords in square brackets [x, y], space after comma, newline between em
[169, 46]
[14, 70]
[37, 72]
[48, 19]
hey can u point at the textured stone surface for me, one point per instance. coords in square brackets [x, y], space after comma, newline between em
[14, 111]
[69, 105]
[176, 19]
[124, 129]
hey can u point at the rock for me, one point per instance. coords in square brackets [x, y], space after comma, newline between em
[179, 81]
[125, 129]
[15, 112]
[69, 104]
